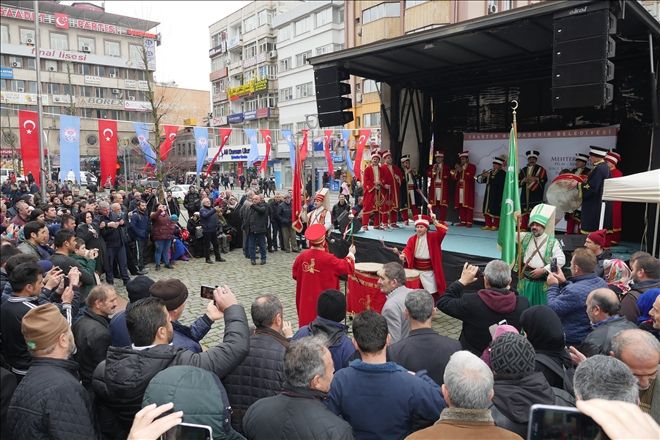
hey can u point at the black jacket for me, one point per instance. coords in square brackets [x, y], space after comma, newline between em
[480, 310]
[284, 214]
[261, 374]
[600, 339]
[92, 335]
[66, 263]
[258, 218]
[272, 211]
[119, 381]
[192, 202]
[112, 236]
[424, 349]
[514, 397]
[50, 403]
[294, 414]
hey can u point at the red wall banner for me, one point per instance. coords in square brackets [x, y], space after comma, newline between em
[362, 141]
[29, 128]
[108, 150]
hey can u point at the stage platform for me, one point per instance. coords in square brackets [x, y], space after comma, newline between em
[461, 244]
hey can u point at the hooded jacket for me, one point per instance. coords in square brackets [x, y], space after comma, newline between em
[514, 397]
[340, 345]
[120, 381]
[196, 392]
[479, 311]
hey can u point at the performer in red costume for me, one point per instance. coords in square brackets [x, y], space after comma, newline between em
[408, 191]
[614, 233]
[393, 175]
[464, 173]
[573, 218]
[423, 252]
[316, 270]
[373, 192]
[439, 186]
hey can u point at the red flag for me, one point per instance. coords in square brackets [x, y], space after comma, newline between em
[362, 141]
[267, 138]
[296, 202]
[224, 137]
[108, 150]
[303, 146]
[166, 145]
[326, 149]
[28, 123]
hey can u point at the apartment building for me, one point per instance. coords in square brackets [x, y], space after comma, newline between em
[92, 66]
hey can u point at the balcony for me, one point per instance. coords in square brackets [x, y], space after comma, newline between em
[234, 42]
[217, 74]
[235, 68]
[220, 96]
[222, 48]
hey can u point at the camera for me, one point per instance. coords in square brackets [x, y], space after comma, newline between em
[207, 291]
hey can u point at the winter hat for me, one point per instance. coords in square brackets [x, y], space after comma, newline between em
[598, 237]
[174, 218]
[42, 326]
[172, 291]
[331, 305]
[138, 288]
[513, 355]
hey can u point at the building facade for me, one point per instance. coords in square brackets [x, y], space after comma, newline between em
[92, 66]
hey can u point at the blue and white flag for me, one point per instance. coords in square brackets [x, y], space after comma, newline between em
[69, 148]
[201, 146]
[142, 133]
[345, 134]
[253, 155]
[288, 136]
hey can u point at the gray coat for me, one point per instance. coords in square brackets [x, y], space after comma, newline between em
[397, 324]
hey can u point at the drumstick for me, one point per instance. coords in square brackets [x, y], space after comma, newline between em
[393, 249]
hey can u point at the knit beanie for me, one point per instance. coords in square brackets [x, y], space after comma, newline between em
[173, 292]
[138, 288]
[598, 237]
[512, 354]
[42, 326]
[331, 305]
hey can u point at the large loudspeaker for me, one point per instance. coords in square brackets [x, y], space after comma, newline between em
[330, 103]
[581, 71]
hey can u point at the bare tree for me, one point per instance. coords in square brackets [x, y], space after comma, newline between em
[10, 138]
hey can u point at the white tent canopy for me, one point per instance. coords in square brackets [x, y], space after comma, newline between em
[641, 187]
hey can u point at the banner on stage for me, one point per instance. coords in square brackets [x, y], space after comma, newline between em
[557, 150]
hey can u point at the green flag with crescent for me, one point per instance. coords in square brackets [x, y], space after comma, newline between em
[506, 238]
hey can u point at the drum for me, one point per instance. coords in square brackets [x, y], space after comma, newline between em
[412, 279]
[563, 192]
[363, 291]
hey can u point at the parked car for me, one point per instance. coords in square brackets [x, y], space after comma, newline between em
[4, 175]
[179, 191]
[88, 178]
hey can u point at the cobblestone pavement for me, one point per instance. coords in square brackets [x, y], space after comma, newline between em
[248, 282]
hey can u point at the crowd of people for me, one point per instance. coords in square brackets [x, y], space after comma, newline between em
[74, 365]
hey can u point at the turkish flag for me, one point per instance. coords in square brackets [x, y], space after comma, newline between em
[166, 146]
[28, 123]
[362, 141]
[61, 21]
[267, 139]
[108, 147]
[224, 137]
[303, 146]
[326, 149]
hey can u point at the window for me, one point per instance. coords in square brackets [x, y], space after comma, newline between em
[59, 41]
[272, 100]
[301, 126]
[369, 86]
[100, 70]
[84, 69]
[285, 64]
[284, 33]
[17, 85]
[250, 51]
[51, 88]
[266, 45]
[304, 90]
[112, 48]
[86, 91]
[304, 25]
[264, 17]
[381, 11]
[31, 64]
[249, 24]
[31, 87]
[371, 119]
[98, 92]
[286, 94]
[250, 105]
[4, 34]
[112, 72]
[27, 36]
[268, 71]
[301, 58]
[411, 3]
[135, 52]
[324, 17]
[87, 44]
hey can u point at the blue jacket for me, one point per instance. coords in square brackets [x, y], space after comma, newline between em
[138, 225]
[384, 401]
[569, 303]
[341, 348]
[184, 336]
[208, 219]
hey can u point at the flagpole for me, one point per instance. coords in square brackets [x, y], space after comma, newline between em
[514, 107]
[40, 109]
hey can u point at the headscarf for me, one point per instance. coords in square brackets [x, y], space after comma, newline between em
[645, 303]
[617, 273]
[544, 330]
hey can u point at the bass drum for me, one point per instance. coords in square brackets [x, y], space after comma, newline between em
[563, 192]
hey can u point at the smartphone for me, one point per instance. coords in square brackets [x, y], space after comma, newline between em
[66, 281]
[207, 291]
[553, 265]
[188, 431]
[549, 422]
